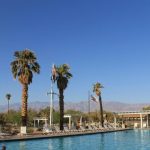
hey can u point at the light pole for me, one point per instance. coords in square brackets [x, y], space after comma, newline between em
[53, 79]
[89, 107]
[89, 100]
[51, 106]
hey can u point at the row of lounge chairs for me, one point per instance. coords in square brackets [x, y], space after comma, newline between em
[90, 128]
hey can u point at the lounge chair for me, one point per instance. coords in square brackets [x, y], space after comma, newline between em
[57, 130]
[47, 130]
[111, 126]
[66, 129]
[5, 134]
[94, 127]
[90, 128]
[82, 129]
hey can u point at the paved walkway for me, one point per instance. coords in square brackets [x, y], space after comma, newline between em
[56, 134]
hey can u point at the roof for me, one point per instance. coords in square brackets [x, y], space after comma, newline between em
[40, 118]
[144, 112]
[132, 115]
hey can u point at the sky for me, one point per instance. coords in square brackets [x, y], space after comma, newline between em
[102, 41]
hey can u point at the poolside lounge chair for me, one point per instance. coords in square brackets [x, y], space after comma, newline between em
[82, 129]
[57, 130]
[90, 128]
[5, 134]
[94, 127]
[47, 130]
[73, 129]
[106, 127]
[110, 126]
[66, 129]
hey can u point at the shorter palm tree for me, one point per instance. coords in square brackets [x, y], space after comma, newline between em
[8, 96]
[63, 76]
[97, 89]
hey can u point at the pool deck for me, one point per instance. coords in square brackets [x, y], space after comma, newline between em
[56, 135]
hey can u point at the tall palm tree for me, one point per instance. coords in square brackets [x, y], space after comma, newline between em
[8, 96]
[63, 76]
[23, 67]
[97, 89]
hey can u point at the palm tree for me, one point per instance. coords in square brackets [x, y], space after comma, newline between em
[23, 67]
[97, 89]
[8, 96]
[63, 76]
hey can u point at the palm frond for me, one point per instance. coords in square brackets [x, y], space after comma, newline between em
[97, 88]
[63, 75]
[24, 65]
[8, 96]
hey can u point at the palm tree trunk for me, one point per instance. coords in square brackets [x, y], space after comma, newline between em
[101, 110]
[24, 104]
[61, 105]
[8, 106]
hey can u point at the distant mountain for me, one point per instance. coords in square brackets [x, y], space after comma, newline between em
[82, 106]
[112, 106]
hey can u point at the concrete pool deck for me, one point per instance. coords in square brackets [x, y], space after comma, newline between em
[56, 135]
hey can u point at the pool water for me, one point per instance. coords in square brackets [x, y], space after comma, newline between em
[126, 140]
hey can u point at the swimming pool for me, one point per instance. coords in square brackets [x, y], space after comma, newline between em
[125, 140]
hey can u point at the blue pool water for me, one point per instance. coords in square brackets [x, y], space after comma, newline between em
[126, 140]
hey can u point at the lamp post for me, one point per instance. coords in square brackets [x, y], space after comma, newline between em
[51, 106]
[53, 78]
[89, 100]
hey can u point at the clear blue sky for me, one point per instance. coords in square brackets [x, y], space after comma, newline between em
[106, 41]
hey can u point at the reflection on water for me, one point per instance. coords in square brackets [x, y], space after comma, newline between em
[61, 143]
[126, 140]
[144, 138]
[22, 145]
[50, 146]
[102, 142]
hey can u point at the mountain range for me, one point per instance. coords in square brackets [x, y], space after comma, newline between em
[83, 106]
